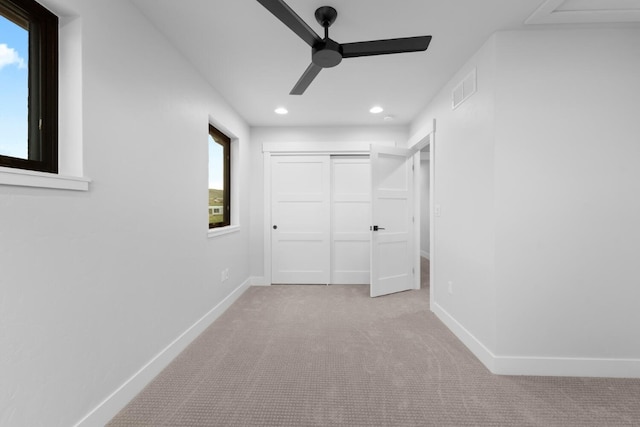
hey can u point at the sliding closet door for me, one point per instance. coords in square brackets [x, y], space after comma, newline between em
[350, 219]
[300, 215]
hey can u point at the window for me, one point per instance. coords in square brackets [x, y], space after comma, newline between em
[29, 86]
[219, 179]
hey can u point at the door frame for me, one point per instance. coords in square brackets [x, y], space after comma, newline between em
[422, 140]
[270, 149]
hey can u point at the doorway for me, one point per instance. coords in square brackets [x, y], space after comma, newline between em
[425, 215]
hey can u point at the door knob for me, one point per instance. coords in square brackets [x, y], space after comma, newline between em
[376, 228]
[275, 227]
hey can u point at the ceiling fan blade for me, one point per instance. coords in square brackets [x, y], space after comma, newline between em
[385, 47]
[289, 18]
[310, 73]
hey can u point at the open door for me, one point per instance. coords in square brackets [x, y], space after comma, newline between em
[392, 220]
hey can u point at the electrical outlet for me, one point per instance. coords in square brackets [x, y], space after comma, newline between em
[450, 288]
[226, 274]
[438, 210]
[222, 276]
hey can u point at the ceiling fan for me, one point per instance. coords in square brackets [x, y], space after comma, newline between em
[326, 53]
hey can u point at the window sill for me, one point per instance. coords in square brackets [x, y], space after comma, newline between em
[26, 178]
[215, 232]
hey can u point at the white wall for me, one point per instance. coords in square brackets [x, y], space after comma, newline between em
[567, 185]
[260, 135]
[538, 178]
[94, 285]
[463, 156]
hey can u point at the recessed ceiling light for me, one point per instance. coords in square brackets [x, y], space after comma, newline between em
[376, 110]
[282, 111]
[389, 118]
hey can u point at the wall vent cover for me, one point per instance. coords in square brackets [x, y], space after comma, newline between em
[464, 89]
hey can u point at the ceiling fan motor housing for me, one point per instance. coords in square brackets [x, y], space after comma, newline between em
[327, 53]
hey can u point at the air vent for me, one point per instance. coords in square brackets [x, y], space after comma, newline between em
[464, 89]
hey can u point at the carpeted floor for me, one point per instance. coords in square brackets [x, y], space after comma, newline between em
[332, 356]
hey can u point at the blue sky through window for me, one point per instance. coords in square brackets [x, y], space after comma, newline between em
[216, 165]
[14, 89]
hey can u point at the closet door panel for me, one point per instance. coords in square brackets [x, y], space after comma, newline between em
[350, 220]
[300, 212]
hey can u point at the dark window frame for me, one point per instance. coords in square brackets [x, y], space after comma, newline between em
[225, 142]
[42, 26]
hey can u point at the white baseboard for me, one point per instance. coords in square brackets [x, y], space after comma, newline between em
[259, 281]
[477, 348]
[106, 410]
[425, 254]
[539, 366]
[567, 367]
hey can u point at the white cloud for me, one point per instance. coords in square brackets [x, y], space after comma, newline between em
[9, 56]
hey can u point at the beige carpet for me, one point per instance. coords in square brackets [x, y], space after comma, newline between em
[330, 355]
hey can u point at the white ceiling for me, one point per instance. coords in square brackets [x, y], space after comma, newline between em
[586, 12]
[253, 60]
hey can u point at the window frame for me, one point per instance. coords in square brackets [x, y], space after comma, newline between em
[43, 84]
[222, 139]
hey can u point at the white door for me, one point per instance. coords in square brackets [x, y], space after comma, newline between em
[350, 218]
[392, 220]
[300, 215]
